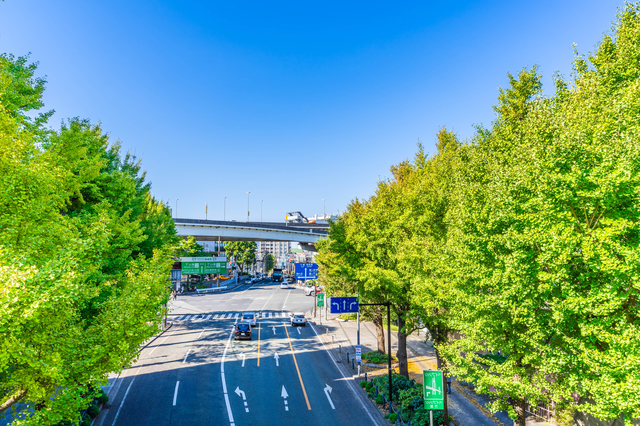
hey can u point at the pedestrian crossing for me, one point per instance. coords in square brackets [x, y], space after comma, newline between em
[230, 315]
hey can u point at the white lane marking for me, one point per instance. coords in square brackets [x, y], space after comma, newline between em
[224, 382]
[229, 316]
[163, 340]
[327, 391]
[175, 393]
[357, 396]
[244, 398]
[180, 317]
[216, 316]
[277, 357]
[301, 333]
[270, 315]
[187, 317]
[124, 398]
[243, 357]
[200, 335]
[237, 315]
[185, 357]
[285, 395]
[208, 316]
[265, 303]
[285, 300]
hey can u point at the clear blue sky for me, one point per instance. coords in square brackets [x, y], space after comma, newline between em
[293, 101]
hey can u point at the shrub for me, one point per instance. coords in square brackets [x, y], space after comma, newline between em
[375, 357]
[421, 417]
[93, 411]
[393, 417]
[363, 383]
[378, 399]
[398, 381]
[86, 421]
[369, 386]
[102, 397]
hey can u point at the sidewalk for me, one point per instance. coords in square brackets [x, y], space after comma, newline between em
[465, 406]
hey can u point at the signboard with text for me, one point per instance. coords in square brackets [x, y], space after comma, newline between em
[358, 353]
[306, 271]
[204, 265]
[433, 390]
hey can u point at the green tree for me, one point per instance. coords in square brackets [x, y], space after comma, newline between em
[189, 247]
[269, 261]
[79, 289]
[244, 252]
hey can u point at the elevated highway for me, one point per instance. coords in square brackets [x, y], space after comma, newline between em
[307, 234]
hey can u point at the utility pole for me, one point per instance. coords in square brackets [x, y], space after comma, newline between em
[248, 192]
[205, 211]
[224, 211]
[176, 208]
[261, 210]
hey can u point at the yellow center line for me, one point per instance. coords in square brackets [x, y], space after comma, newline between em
[296, 362]
[258, 344]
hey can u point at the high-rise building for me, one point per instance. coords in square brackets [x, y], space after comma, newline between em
[279, 249]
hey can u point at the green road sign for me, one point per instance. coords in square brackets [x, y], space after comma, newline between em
[204, 265]
[433, 392]
[320, 300]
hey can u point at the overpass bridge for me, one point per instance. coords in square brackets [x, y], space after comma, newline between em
[307, 234]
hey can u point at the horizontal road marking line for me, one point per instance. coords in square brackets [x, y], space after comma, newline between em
[175, 393]
[216, 316]
[207, 317]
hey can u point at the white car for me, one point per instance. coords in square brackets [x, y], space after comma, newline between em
[309, 290]
[298, 318]
[284, 285]
[249, 317]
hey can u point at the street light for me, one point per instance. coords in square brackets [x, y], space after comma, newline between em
[205, 211]
[176, 208]
[224, 211]
[324, 214]
[248, 192]
[261, 210]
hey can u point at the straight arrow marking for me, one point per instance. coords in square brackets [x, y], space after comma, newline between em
[274, 329]
[327, 391]
[284, 393]
[243, 357]
[276, 356]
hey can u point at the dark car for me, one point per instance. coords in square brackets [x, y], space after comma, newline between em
[243, 331]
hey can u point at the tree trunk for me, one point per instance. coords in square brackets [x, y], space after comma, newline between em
[377, 321]
[12, 400]
[519, 406]
[403, 366]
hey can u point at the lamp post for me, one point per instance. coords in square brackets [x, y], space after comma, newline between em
[224, 210]
[248, 192]
[323, 209]
[205, 211]
[176, 208]
[261, 210]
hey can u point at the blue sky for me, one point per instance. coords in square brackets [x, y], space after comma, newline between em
[293, 101]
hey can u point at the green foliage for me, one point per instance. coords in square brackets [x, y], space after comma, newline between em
[393, 417]
[93, 411]
[102, 397]
[244, 252]
[86, 421]
[363, 383]
[376, 357]
[188, 247]
[84, 255]
[269, 262]
[378, 399]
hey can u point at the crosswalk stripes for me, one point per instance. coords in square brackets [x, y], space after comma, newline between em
[230, 315]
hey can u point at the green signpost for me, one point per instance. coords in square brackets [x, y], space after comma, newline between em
[433, 390]
[204, 265]
[320, 300]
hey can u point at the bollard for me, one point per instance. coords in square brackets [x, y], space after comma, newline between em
[340, 349]
[353, 364]
[384, 401]
[347, 357]
[332, 336]
[376, 390]
[365, 377]
[390, 407]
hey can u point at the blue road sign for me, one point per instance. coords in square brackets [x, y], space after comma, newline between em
[307, 271]
[341, 305]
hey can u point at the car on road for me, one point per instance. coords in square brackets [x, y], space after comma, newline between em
[297, 318]
[242, 331]
[249, 317]
[284, 284]
[311, 290]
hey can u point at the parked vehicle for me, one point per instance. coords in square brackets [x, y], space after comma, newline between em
[249, 317]
[284, 285]
[298, 318]
[243, 331]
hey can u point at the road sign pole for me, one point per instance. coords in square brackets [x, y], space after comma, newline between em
[431, 417]
[389, 342]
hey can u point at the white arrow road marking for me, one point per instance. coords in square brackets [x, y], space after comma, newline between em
[276, 356]
[243, 357]
[298, 330]
[327, 391]
[244, 398]
[274, 329]
[285, 395]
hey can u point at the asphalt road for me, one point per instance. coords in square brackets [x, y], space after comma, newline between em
[197, 374]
